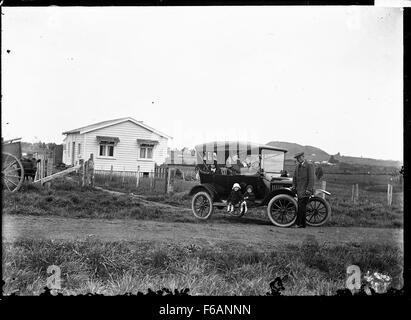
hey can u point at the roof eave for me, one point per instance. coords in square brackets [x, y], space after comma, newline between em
[132, 120]
[71, 132]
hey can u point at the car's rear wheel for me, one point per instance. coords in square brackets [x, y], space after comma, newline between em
[318, 212]
[282, 210]
[202, 205]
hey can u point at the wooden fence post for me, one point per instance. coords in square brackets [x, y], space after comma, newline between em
[111, 173]
[389, 194]
[323, 186]
[83, 172]
[41, 169]
[166, 181]
[90, 169]
[49, 166]
[122, 176]
[352, 193]
[154, 181]
[37, 177]
[138, 177]
[151, 180]
[169, 186]
[355, 193]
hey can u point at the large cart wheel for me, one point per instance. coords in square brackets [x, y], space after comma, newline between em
[12, 172]
[282, 210]
[318, 211]
[202, 205]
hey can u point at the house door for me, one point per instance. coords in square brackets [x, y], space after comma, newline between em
[73, 152]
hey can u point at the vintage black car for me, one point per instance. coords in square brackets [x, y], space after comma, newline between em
[221, 164]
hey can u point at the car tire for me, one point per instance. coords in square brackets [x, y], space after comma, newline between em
[202, 205]
[318, 212]
[282, 210]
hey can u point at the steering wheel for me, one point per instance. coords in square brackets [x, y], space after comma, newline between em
[255, 165]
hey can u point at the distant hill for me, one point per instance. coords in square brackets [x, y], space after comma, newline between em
[368, 161]
[316, 154]
[311, 153]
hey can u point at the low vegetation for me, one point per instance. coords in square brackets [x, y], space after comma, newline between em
[113, 268]
[66, 198]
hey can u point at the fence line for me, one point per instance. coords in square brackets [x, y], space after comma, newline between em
[355, 193]
[161, 180]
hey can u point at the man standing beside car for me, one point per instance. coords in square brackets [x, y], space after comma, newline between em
[303, 185]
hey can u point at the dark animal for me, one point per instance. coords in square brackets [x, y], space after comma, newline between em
[319, 172]
[30, 167]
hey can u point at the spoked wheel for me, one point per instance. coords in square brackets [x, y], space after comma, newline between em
[202, 205]
[12, 172]
[318, 211]
[282, 210]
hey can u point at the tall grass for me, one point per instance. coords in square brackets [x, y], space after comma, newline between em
[93, 266]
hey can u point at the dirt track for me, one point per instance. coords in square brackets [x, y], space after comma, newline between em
[209, 232]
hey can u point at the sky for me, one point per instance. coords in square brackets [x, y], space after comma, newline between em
[330, 77]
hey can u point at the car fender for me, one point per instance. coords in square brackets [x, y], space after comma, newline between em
[321, 191]
[275, 192]
[204, 187]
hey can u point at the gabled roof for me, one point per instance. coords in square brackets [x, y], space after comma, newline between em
[103, 124]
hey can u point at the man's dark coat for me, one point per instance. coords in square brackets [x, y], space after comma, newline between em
[303, 179]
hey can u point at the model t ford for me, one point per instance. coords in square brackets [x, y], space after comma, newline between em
[257, 168]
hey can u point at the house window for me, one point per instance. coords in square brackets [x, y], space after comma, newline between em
[146, 151]
[79, 148]
[106, 149]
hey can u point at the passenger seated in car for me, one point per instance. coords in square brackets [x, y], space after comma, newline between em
[234, 198]
[248, 198]
[216, 168]
[237, 165]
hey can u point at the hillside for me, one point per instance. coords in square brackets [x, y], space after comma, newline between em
[311, 153]
[316, 154]
[368, 161]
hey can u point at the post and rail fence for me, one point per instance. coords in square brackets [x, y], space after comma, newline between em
[163, 179]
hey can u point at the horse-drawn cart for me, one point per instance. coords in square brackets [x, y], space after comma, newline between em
[12, 171]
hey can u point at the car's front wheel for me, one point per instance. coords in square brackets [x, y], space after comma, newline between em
[318, 212]
[202, 205]
[282, 210]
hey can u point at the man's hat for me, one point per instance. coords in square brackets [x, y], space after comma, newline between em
[298, 154]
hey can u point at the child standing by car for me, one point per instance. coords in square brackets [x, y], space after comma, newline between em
[234, 198]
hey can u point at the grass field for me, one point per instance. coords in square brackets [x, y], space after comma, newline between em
[227, 269]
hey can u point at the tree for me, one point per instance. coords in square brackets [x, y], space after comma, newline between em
[333, 160]
[319, 173]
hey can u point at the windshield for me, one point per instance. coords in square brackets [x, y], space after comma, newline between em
[272, 161]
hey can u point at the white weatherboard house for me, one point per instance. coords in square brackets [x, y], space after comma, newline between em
[123, 143]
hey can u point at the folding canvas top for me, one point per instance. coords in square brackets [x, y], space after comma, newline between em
[221, 150]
